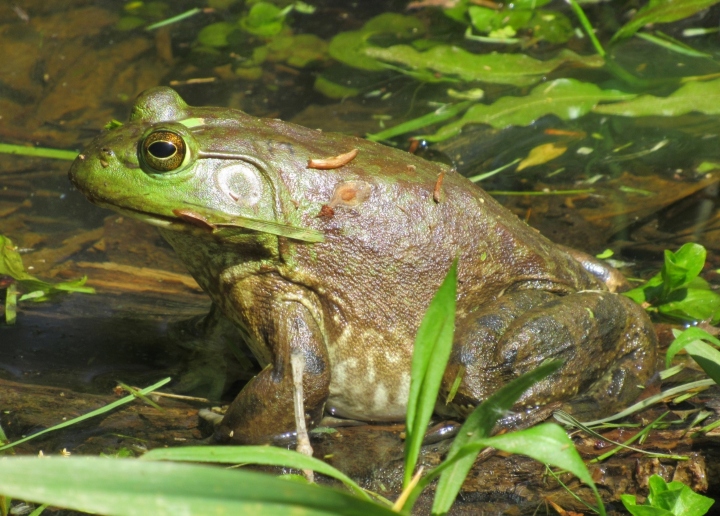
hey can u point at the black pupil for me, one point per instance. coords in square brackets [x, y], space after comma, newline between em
[161, 149]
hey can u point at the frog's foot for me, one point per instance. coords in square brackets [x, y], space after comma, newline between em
[441, 431]
[606, 342]
[264, 410]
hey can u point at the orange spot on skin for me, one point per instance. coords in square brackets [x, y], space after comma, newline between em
[414, 144]
[437, 192]
[195, 219]
[335, 162]
[350, 193]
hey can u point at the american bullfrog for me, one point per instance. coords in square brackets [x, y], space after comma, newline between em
[332, 246]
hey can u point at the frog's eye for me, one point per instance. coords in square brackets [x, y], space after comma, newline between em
[164, 151]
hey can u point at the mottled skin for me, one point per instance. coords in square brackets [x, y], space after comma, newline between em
[352, 303]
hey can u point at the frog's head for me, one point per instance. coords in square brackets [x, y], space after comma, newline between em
[164, 167]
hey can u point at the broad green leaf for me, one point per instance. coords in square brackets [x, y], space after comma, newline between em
[630, 503]
[485, 19]
[685, 338]
[216, 34]
[566, 98]
[671, 499]
[551, 26]
[349, 47]
[11, 264]
[692, 304]
[515, 69]
[134, 487]
[682, 266]
[433, 344]
[662, 11]
[547, 443]
[479, 424]
[264, 20]
[703, 97]
[266, 455]
[707, 357]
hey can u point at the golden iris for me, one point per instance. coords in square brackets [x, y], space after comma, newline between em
[164, 151]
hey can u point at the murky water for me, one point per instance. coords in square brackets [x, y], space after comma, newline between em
[637, 185]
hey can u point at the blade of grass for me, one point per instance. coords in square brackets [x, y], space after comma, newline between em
[433, 344]
[131, 487]
[567, 419]
[589, 30]
[101, 410]
[479, 424]
[174, 19]
[37, 152]
[641, 405]
[439, 115]
[265, 455]
[671, 44]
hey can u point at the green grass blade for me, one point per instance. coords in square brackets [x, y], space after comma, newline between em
[587, 26]
[133, 487]
[684, 339]
[672, 45]
[479, 425]
[266, 455]
[37, 152]
[174, 19]
[707, 357]
[439, 115]
[101, 410]
[433, 344]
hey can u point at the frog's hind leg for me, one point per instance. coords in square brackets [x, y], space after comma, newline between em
[606, 343]
[625, 379]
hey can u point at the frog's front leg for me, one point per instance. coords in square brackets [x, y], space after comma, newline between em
[605, 340]
[264, 408]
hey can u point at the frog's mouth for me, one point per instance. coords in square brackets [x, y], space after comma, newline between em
[187, 219]
[154, 219]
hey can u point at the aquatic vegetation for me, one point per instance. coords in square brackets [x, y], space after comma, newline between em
[35, 289]
[668, 498]
[678, 291]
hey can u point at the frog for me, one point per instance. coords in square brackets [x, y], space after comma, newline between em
[330, 247]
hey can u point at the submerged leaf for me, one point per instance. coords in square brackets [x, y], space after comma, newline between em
[662, 11]
[516, 69]
[703, 97]
[349, 47]
[11, 264]
[566, 98]
[542, 154]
